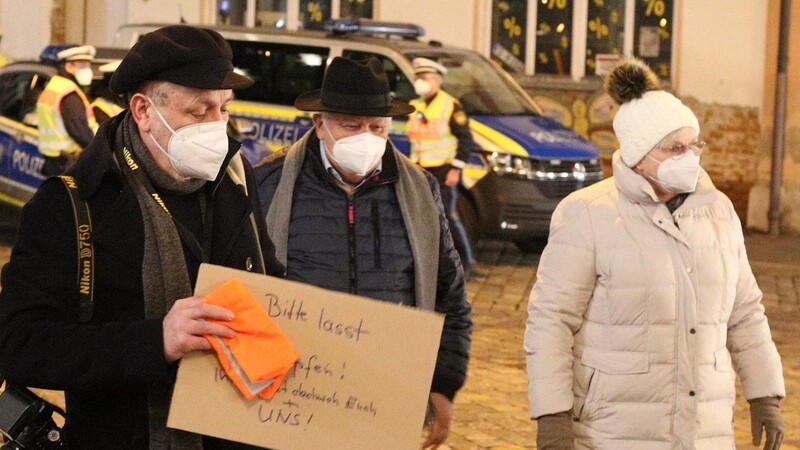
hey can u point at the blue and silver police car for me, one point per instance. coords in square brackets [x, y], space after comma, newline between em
[526, 162]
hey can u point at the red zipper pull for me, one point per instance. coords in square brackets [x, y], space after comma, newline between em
[351, 214]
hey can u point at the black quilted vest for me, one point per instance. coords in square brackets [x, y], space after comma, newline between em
[353, 243]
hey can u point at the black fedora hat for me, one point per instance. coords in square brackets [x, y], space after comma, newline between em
[350, 87]
[181, 54]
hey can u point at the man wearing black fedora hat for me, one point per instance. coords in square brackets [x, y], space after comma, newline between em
[348, 212]
[166, 190]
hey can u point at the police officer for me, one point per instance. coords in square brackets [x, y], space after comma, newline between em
[107, 104]
[441, 142]
[66, 121]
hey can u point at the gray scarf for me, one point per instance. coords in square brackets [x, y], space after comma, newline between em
[165, 277]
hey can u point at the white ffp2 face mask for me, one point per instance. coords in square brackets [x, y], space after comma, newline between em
[422, 87]
[197, 150]
[84, 76]
[679, 175]
[358, 154]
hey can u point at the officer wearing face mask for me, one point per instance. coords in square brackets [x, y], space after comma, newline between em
[166, 191]
[441, 142]
[645, 307]
[348, 212]
[65, 120]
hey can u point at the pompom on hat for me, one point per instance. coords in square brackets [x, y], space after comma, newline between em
[646, 114]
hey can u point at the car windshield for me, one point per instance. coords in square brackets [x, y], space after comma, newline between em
[479, 86]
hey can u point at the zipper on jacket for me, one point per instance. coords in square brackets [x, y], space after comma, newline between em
[351, 237]
[376, 230]
[351, 230]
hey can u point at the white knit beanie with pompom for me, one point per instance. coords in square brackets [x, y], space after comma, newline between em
[646, 114]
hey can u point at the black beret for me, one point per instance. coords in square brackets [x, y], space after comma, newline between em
[181, 54]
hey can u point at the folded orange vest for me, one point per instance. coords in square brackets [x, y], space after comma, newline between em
[258, 358]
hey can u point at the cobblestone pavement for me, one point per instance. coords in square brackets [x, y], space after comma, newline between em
[491, 411]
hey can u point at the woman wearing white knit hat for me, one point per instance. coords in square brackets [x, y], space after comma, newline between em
[645, 303]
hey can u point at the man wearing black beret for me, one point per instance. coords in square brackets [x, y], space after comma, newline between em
[166, 190]
[348, 212]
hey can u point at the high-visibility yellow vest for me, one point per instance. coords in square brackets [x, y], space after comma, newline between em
[53, 137]
[108, 107]
[432, 142]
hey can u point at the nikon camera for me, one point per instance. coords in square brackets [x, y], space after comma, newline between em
[26, 420]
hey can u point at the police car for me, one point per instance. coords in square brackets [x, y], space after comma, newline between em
[527, 162]
[20, 86]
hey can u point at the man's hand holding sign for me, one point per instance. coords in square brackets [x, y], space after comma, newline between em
[357, 383]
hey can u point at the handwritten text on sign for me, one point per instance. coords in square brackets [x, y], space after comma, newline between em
[364, 366]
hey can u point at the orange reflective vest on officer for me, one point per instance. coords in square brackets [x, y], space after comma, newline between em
[105, 106]
[54, 140]
[433, 143]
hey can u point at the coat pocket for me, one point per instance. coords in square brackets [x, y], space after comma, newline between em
[583, 391]
[603, 366]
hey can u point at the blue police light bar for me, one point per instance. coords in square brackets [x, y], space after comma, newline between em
[343, 26]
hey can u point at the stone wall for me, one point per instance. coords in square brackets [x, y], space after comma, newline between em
[733, 134]
[735, 143]
[757, 214]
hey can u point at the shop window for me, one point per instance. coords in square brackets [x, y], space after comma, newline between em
[231, 12]
[554, 37]
[314, 13]
[652, 38]
[580, 38]
[271, 13]
[356, 9]
[509, 33]
[605, 34]
[268, 13]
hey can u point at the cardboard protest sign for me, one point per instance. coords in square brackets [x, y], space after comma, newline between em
[362, 380]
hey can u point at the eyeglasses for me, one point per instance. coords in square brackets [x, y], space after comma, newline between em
[677, 150]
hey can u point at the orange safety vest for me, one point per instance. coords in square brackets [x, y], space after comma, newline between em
[432, 142]
[108, 107]
[53, 137]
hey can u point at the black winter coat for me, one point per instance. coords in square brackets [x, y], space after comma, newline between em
[358, 243]
[104, 366]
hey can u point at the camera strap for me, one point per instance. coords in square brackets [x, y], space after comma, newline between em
[83, 222]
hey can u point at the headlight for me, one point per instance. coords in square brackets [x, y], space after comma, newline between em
[499, 162]
[528, 169]
[505, 164]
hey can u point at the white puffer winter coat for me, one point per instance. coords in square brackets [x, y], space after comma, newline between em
[637, 314]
